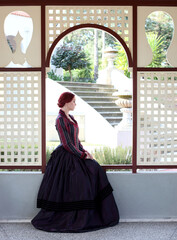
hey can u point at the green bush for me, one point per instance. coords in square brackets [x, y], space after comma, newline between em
[77, 77]
[106, 155]
[54, 77]
[118, 155]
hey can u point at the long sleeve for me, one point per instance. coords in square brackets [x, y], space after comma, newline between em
[66, 140]
[81, 146]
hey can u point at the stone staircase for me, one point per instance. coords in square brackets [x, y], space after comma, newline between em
[99, 96]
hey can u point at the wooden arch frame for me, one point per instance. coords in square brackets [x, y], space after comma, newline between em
[89, 25]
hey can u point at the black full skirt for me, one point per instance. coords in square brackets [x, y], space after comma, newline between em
[75, 196]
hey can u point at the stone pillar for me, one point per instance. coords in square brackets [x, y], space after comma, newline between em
[124, 128]
[105, 75]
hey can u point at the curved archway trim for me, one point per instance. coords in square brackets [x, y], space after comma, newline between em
[89, 25]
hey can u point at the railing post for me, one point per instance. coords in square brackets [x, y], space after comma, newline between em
[134, 155]
[43, 86]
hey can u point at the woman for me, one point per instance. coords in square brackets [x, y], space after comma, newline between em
[75, 195]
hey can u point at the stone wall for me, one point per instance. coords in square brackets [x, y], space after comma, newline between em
[140, 197]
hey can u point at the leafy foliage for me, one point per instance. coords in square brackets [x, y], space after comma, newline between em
[69, 57]
[118, 155]
[79, 75]
[156, 43]
[85, 38]
[106, 155]
[121, 61]
[80, 37]
[54, 77]
[160, 24]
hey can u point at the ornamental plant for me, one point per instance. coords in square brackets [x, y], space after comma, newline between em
[156, 43]
[69, 57]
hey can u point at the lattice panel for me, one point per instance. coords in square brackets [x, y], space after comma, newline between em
[157, 118]
[60, 18]
[20, 118]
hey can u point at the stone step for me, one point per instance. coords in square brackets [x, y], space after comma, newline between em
[70, 84]
[91, 89]
[107, 109]
[98, 98]
[114, 124]
[83, 94]
[114, 120]
[111, 114]
[96, 104]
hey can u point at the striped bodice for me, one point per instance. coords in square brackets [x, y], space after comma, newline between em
[68, 133]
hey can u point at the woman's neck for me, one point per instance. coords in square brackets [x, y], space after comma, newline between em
[67, 114]
[66, 111]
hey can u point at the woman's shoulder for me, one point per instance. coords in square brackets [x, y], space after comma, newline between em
[60, 118]
[61, 122]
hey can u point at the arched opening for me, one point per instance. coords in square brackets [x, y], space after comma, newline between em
[100, 103]
[84, 52]
[159, 28]
[130, 63]
[18, 29]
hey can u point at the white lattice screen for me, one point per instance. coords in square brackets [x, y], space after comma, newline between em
[20, 118]
[60, 18]
[157, 118]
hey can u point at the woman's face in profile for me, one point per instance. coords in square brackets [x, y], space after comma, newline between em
[71, 105]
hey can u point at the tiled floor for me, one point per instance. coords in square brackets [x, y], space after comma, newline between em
[123, 231]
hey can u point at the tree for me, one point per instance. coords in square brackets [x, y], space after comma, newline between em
[69, 57]
[79, 37]
[86, 38]
[96, 54]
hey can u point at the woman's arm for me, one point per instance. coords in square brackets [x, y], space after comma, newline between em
[66, 139]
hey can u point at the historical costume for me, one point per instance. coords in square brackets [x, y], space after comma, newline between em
[75, 195]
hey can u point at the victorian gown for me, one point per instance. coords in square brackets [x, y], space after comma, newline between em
[75, 194]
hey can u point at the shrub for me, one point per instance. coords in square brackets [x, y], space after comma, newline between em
[54, 77]
[106, 155]
[118, 155]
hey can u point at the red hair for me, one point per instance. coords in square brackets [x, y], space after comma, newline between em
[65, 97]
